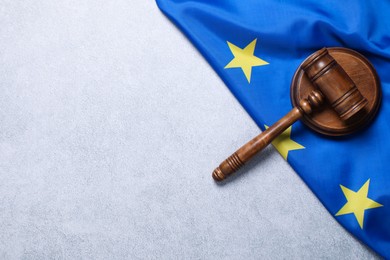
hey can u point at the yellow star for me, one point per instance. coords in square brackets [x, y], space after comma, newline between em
[357, 202]
[284, 144]
[245, 59]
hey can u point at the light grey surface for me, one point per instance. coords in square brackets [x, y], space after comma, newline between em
[110, 125]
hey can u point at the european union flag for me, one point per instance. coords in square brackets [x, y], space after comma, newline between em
[256, 46]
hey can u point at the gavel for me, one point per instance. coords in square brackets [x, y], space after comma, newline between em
[332, 87]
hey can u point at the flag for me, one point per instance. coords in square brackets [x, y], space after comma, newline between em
[256, 47]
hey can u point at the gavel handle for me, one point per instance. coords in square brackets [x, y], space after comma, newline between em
[246, 152]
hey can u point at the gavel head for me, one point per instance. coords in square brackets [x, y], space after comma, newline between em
[349, 84]
[334, 83]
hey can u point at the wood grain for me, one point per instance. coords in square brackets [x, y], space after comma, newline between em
[323, 80]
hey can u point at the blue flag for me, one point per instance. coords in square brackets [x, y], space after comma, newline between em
[256, 47]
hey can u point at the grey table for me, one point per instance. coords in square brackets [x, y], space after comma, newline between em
[110, 125]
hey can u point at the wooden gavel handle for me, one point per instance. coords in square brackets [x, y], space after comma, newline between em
[246, 152]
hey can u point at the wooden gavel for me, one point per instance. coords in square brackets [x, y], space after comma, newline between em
[331, 83]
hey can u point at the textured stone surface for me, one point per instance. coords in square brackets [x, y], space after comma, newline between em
[110, 126]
